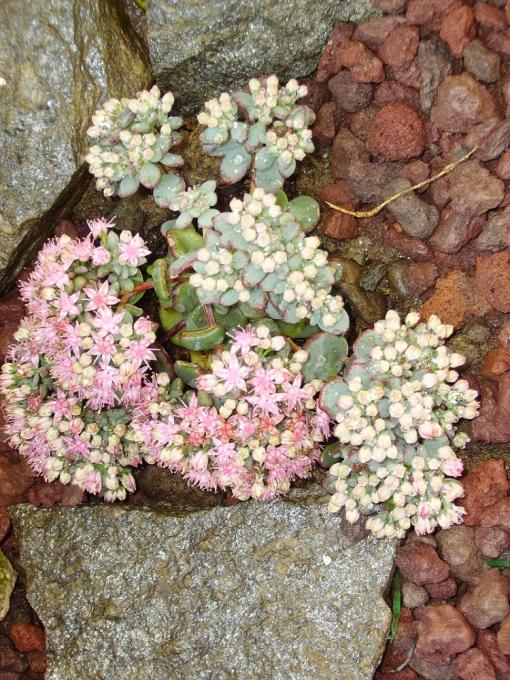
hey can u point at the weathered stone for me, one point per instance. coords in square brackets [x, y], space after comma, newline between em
[417, 218]
[59, 60]
[481, 62]
[254, 590]
[199, 49]
[434, 60]
[461, 103]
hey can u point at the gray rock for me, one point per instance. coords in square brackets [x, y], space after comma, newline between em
[417, 218]
[59, 59]
[272, 591]
[199, 49]
[434, 60]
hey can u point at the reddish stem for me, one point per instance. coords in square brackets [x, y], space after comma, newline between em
[172, 331]
[127, 294]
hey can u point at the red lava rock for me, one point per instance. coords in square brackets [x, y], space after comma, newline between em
[399, 49]
[443, 632]
[420, 276]
[492, 138]
[374, 32]
[390, 6]
[473, 189]
[415, 172]
[503, 635]
[329, 63]
[461, 103]
[489, 16]
[37, 662]
[346, 149]
[442, 591]
[487, 602]
[455, 229]
[492, 541]
[496, 234]
[482, 488]
[390, 92]
[420, 563]
[72, 495]
[361, 62]
[435, 63]
[46, 494]
[493, 421]
[411, 247]
[367, 180]
[397, 133]
[410, 76]
[458, 29]
[504, 335]
[481, 62]
[359, 122]
[349, 94]
[413, 596]
[486, 641]
[318, 94]
[499, 43]
[324, 128]
[457, 547]
[429, 13]
[497, 514]
[496, 362]
[15, 480]
[338, 193]
[493, 278]
[503, 166]
[27, 637]
[338, 225]
[10, 660]
[474, 665]
[455, 299]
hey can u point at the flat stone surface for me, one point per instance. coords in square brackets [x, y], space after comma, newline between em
[199, 49]
[253, 591]
[59, 58]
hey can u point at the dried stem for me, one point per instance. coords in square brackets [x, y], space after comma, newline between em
[370, 213]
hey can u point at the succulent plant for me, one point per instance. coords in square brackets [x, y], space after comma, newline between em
[396, 407]
[194, 203]
[272, 136]
[131, 141]
[258, 256]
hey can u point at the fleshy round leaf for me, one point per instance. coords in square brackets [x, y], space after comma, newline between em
[326, 354]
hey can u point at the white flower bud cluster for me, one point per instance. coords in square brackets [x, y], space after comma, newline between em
[271, 101]
[294, 274]
[220, 112]
[399, 401]
[128, 134]
[273, 127]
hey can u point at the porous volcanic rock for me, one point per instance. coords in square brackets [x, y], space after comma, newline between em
[59, 60]
[256, 590]
[397, 133]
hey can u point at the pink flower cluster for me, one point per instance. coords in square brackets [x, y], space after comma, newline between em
[262, 432]
[79, 369]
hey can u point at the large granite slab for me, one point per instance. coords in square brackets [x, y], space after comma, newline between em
[59, 59]
[199, 49]
[253, 591]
